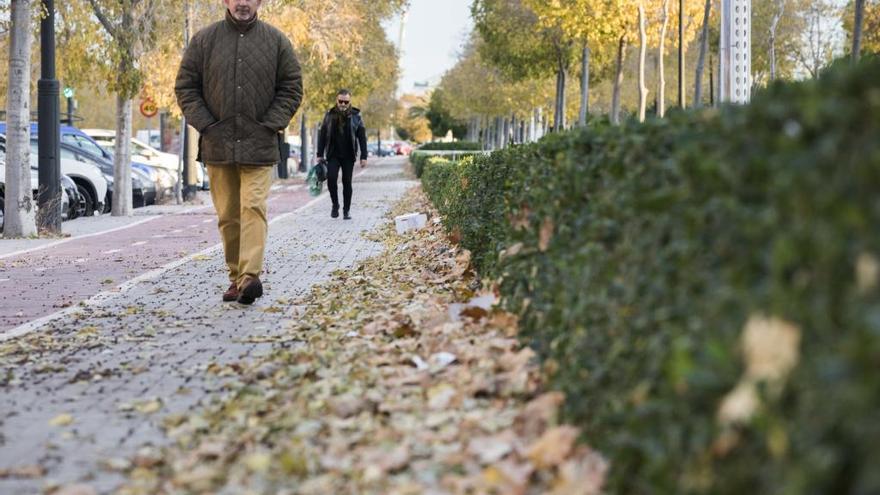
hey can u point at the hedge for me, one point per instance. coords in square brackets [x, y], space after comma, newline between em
[452, 146]
[637, 257]
[418, 160]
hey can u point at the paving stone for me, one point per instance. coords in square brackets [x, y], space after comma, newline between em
[179, 328]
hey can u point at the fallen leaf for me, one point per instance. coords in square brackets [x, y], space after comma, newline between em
[26, 471]
[148, 406]
[258, 462]
[61, 420]
[540, 413]
[76, 489]
[440, 396]
[441, 360]
[584, 474]
[491, 449]
[553, 447]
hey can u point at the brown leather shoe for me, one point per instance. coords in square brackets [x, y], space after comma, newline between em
[251, 289]
[231, 293]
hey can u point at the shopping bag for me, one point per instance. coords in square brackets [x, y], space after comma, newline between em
[316, 177]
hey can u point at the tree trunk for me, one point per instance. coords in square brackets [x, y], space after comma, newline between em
[122, 200]
[618, 82]
[563, 76]
[585, 86]
[711, 80]
[661, 60]
[701, 60]
[682, 96]
[774, 23]
[643, 45]
[539, 123]
[556, 111]
[857, 30]
[20, 209]
[514, 125]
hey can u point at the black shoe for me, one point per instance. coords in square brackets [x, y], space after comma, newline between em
[346, 216]
[334, 212]
[250, 291]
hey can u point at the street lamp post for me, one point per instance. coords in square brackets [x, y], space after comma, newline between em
[736, 57]
[48, 138]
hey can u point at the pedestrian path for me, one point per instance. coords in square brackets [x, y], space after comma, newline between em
[54, 276]
[89, 388]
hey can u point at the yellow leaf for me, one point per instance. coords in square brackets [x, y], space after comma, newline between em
[258, 462]
[61, 420]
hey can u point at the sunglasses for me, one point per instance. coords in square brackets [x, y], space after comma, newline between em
[343, 102]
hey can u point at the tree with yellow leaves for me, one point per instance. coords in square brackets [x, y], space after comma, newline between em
[588, 23]
[522, 47]
[478, 92]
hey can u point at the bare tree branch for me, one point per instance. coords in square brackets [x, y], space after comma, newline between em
[104, 21]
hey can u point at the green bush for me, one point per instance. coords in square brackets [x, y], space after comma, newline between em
[660, 241]
[419, 159]
[452, 146]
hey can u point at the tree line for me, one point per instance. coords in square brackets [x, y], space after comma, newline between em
[514, 77]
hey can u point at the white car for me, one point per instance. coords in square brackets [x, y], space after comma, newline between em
[150, 155]
[140, 151]
[89, 180]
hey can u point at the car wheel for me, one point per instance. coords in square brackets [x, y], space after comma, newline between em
[2, 214]
[85, 207]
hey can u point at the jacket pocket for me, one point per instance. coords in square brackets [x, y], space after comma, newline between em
[263, 143]
[213, 142]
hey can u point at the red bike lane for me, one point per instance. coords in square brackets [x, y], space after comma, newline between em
[38, 283]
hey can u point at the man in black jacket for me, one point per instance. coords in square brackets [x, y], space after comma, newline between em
[342, 133]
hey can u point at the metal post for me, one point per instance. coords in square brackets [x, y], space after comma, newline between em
[736, 58]
[188, 191]
[48, 127]
[304, 143]
[70, 110]
[163, 124]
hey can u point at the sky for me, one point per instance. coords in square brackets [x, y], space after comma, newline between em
[433, 35]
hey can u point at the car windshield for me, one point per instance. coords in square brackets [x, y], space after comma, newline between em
[83, 143]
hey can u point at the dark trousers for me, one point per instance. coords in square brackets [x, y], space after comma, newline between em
[333, 166]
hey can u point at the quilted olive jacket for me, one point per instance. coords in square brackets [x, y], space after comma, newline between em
[239, 84]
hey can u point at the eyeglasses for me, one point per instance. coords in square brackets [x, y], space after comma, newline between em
[343, 102]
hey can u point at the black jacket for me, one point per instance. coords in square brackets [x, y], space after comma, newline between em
[358, 134]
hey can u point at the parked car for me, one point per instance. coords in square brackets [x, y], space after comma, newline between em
[143, 188]
[90, 182]
[373, 149]
[402, 148]
[167, 164]
[72, 203]
[75, 137]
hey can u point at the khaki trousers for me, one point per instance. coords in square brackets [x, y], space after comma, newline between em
[239, 193]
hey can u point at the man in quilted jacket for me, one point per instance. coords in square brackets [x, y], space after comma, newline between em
[239, 85]
[341, 135]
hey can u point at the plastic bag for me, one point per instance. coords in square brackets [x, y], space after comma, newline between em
[316, 177]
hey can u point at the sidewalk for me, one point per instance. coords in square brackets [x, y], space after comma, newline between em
[90, 386]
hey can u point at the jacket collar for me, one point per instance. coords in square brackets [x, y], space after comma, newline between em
[240, 26]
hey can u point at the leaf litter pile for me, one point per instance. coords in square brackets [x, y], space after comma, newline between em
[399, 377]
